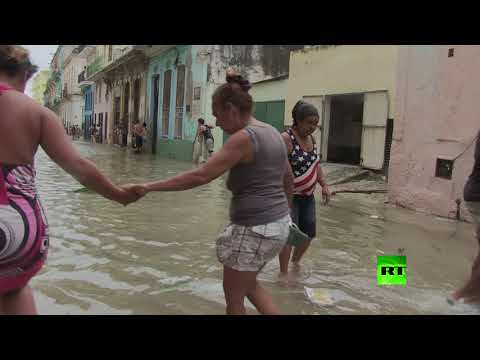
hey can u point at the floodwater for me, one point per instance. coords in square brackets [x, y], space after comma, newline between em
[157, 256]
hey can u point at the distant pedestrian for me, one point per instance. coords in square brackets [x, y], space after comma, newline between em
[124, 132]
[145, 132]
[139, 133]
[470, 292]
[94, 134]
[305, 163]
[203, 142]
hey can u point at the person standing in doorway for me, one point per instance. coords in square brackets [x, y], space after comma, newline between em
[470, 292]
[261, 182]
[305, 163]
[145, 133]
[94, 133]
[124, 132]
[139, 132]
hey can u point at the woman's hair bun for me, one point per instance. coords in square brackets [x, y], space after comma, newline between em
[14, 59]
[236, 78]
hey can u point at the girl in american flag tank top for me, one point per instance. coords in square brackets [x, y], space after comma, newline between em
[305, 162]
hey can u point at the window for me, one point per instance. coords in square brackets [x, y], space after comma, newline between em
[136, 99]
[110, 52]
[179, 101]
[106, 125]
[166, 102]
[451, 52]
[196, 93]
[99, 92]
[444, 168]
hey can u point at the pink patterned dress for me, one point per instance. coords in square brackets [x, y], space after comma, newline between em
[23, 227]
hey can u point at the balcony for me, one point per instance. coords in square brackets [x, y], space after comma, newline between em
[153, 50]
[94, 67]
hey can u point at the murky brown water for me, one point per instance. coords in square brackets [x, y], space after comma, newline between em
[158, 256]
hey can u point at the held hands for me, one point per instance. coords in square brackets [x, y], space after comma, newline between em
[131, 192]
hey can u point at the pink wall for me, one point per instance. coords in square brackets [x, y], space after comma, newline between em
[438, 114]
[101, 105]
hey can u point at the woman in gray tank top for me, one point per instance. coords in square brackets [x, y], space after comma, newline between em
[261, 183]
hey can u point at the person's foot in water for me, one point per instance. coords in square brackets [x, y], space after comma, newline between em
[296, 267]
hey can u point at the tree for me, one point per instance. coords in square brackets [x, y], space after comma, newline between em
[39, 84]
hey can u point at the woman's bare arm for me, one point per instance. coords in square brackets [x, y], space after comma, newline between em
[323, 184]
[60, 149]
[238, 148]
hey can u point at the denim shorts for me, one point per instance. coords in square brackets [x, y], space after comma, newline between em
[304, 215]
[474, 208]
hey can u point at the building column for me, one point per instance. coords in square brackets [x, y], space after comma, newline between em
[111, 116]
[131, 80]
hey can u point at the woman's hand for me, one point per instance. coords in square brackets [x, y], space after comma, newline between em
[326, 194]
[135, 191]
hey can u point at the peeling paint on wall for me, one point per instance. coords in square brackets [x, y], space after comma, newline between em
[206, 66]
[256, 62]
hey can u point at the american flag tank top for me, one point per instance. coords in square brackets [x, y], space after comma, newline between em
[304, 166]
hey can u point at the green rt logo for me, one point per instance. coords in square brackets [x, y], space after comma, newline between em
[392, 270]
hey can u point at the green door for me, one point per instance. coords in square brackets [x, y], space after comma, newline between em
[260, 111]
[276, 114]
[271, 112]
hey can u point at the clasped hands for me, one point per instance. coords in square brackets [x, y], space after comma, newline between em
[130, 193]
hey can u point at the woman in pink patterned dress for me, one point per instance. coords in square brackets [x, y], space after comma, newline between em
[23, 227]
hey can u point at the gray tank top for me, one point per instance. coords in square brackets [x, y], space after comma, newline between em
[258, 192]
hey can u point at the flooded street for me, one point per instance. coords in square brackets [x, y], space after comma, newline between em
[157, 256]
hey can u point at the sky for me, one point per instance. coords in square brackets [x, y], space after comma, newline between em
[40, 55]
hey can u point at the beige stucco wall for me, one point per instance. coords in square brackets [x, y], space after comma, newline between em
[342, 69]
[270, 90]
[438, 116]
[72, 106]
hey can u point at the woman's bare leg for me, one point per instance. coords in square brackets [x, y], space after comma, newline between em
[471, 290]
[19, 302]
[284, 258]
[300, 251]
[262, 300]
[239, 284]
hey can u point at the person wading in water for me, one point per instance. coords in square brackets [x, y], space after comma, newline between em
[305, 163]
[24, 239]
[470, 292]
[261, 182]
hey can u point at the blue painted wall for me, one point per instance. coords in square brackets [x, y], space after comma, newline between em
[88, 111]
